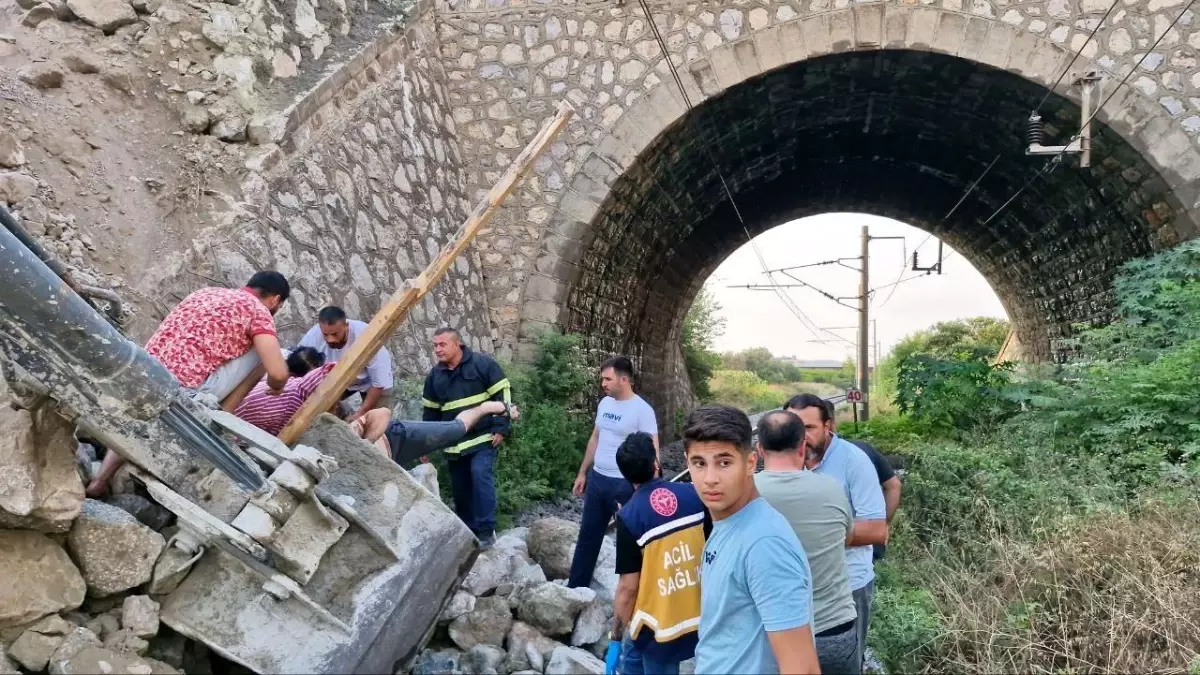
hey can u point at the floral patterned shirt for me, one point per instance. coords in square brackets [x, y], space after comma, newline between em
[210, 327]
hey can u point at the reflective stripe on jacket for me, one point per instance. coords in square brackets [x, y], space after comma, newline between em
[478, 378]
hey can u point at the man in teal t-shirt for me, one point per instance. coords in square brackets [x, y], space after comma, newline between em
[755, 585]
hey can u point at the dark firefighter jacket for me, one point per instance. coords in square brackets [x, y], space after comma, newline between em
[477, 379]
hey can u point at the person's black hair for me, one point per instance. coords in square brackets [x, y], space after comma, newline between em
[802, 401]
[780, 431]
[718, 423]
[621, 365]
[444, 330]
[269, 283]
[331, 315]
[636, 457]
[303, 360]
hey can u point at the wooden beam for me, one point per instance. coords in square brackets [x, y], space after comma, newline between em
[393, 313]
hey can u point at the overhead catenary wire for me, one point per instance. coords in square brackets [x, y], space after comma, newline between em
[1075, 56]
[804, 319]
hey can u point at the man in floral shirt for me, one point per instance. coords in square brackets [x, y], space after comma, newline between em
[219, 341]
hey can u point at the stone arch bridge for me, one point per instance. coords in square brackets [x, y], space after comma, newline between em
[807, 106]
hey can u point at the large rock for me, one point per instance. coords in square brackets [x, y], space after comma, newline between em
[605, 578]
[592, 624]
[484, 660]
[441, 662]
[461, 604]
[90, 660]
[38, 578]
[551, 543]
[573, 661]
[552, 608]
[492, 568]
[11, 154]
[36, 645]
[528, 648]
[107, 15]
[114, 551]
[39, 486]
[7, 666]
[16, 187]
[75, 642]
[487, 624]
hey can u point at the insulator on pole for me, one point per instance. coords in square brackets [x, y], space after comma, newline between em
[1037, 133]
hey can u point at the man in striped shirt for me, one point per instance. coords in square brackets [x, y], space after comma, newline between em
[400, 440]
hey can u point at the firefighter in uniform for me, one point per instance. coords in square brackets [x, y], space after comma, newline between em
[660, 540]
[463, 379]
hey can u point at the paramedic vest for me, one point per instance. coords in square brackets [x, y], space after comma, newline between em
[667, 520]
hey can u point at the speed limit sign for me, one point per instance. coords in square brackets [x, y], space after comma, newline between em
[854, 396]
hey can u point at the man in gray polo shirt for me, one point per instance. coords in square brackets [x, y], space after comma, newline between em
[819, 513]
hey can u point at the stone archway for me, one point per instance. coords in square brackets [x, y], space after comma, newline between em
[884, 109]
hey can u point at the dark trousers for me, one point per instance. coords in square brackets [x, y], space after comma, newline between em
[601, 499]
[473, 483]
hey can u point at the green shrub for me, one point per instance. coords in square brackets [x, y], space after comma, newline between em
[906, 624]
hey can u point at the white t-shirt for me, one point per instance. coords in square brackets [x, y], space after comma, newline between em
[616, 420]
[378, 372]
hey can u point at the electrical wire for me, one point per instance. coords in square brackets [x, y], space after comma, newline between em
[1075, 57]
[804, 319]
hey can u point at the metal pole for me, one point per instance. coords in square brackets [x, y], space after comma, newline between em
[864, 335]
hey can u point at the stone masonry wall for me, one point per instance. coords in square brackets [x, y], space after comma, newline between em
[509, 62]
[362, 195]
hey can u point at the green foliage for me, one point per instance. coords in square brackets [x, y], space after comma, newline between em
[559, 373]
[905, 623]
[771, 368]
[746, 390]
[953, 394]
[701, 327]
[975, 339]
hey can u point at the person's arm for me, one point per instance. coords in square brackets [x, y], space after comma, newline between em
[795, 651]
[267, 346]
[370, 402]
[589, 456]
[866, 498]
[891, 496]
[780, 584]
[629, 566]
[431, 407]
[498, 389]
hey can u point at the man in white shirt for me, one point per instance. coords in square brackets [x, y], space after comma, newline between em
[332, 336]
[604, 489]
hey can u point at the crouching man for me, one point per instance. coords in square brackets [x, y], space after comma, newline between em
[401, 440]
[660, 536]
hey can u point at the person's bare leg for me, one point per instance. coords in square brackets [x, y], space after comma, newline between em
[108, 468]
[375, 424]
[234, 399]
[471, 416]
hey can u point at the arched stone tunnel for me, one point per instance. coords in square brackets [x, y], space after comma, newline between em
[894, 133]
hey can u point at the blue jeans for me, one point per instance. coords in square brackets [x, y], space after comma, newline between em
[601, 499]
[473, 483]
[636, 662]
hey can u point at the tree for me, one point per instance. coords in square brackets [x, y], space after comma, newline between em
[701, 327]
[977, 339]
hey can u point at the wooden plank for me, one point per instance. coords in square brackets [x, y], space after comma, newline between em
[393, 313]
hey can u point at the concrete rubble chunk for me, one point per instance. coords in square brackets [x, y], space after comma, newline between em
[483, 659]
[39, 578]
[528, 648]
[551, 543]
[7, 667]
[84, 63]
[36, 645]
[107, 15]
[113, 550]
[39, 486]
[552, 608]
[16, 187]
[147, 512]
[139, 615]
[426, 475]
[573, 661]
[11, 153]
[487, 624]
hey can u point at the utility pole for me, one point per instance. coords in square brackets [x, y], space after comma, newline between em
[864, 332]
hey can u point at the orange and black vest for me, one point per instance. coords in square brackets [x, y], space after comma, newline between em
[668, 522]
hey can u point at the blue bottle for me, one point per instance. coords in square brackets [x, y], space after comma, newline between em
[612, 658]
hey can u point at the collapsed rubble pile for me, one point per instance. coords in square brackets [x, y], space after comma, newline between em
[73, 598]
[515, 614]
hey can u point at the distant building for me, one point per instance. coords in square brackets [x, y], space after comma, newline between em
[816, 364]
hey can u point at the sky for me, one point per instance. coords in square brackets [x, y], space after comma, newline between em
[759, 318]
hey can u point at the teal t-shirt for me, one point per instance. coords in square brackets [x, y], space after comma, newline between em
[754, 579]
